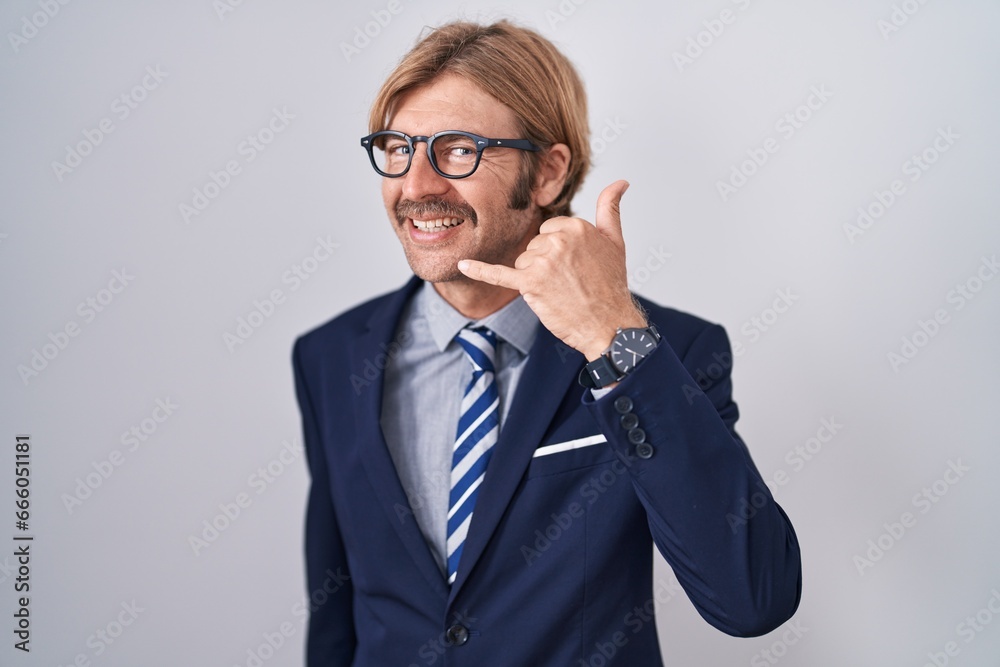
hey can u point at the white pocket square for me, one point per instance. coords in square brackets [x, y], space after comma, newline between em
[570, 444]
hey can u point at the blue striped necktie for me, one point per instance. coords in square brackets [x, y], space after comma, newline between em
[478, 428]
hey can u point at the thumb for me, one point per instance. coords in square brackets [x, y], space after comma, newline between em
[609, 219]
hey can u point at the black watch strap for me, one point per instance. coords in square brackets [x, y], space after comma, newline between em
[599, 373]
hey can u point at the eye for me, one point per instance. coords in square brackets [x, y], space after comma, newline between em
[397, 147]
[455, 147]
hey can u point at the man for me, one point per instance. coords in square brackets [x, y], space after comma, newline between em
[481, 501]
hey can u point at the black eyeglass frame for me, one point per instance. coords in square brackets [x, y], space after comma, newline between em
[482, 143]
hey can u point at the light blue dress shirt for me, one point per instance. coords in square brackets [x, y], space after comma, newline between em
[424, 385]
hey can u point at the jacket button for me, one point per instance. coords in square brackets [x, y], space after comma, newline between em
[457, 635]
[623, 404]
[644, 450]
[636, 436]
[629, 421]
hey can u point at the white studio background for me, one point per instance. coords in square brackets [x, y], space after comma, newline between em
[887, 329]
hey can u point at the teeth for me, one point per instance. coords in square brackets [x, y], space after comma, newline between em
[436, 225]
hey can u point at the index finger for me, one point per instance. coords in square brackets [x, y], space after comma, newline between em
[494, 274]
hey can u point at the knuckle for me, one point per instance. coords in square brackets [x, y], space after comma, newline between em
[579, 226]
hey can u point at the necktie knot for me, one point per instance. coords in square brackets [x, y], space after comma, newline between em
[480, 346]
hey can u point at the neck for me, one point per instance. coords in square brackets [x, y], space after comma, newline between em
[474, 299]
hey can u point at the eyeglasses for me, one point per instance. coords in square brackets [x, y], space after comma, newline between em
[452, 153]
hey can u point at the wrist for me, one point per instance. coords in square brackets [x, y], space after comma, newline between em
[605, 333]
[628, 348]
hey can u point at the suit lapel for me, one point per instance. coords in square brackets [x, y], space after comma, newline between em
[375, 452]
[550, 371]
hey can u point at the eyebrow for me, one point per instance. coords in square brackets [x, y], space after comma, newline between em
[476, 130]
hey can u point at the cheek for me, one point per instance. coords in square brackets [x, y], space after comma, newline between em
[487, 196]
[390, 193]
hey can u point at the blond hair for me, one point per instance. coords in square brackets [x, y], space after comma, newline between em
[518, 67]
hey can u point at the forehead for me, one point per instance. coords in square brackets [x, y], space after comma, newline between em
[451, 102]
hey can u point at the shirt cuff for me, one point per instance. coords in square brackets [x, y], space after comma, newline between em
[599, 393]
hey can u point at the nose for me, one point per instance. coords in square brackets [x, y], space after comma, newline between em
[421, 180]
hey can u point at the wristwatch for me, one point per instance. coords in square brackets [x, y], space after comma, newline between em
[627, 350]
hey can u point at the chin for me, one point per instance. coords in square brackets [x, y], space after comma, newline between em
[436, 273]
[440, 276]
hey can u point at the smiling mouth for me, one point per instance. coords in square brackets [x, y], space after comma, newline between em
[434, 215]
[437, 224]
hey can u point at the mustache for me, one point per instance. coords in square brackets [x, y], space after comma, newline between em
[433, 208]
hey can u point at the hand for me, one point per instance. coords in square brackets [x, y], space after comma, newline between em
[573, 276]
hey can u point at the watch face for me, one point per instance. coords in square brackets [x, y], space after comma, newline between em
[630, 347]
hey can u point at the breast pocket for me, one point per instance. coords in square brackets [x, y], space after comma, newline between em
[557, 457]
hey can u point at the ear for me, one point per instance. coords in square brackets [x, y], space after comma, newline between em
[551, 176]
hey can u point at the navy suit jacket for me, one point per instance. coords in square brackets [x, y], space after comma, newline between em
[557, 565]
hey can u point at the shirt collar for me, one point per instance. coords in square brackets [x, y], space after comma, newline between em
[515, 323]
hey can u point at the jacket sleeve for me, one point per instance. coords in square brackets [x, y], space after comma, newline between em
[712, 517]
[330, 639]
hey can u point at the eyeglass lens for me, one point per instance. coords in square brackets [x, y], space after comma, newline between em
[453, 154]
